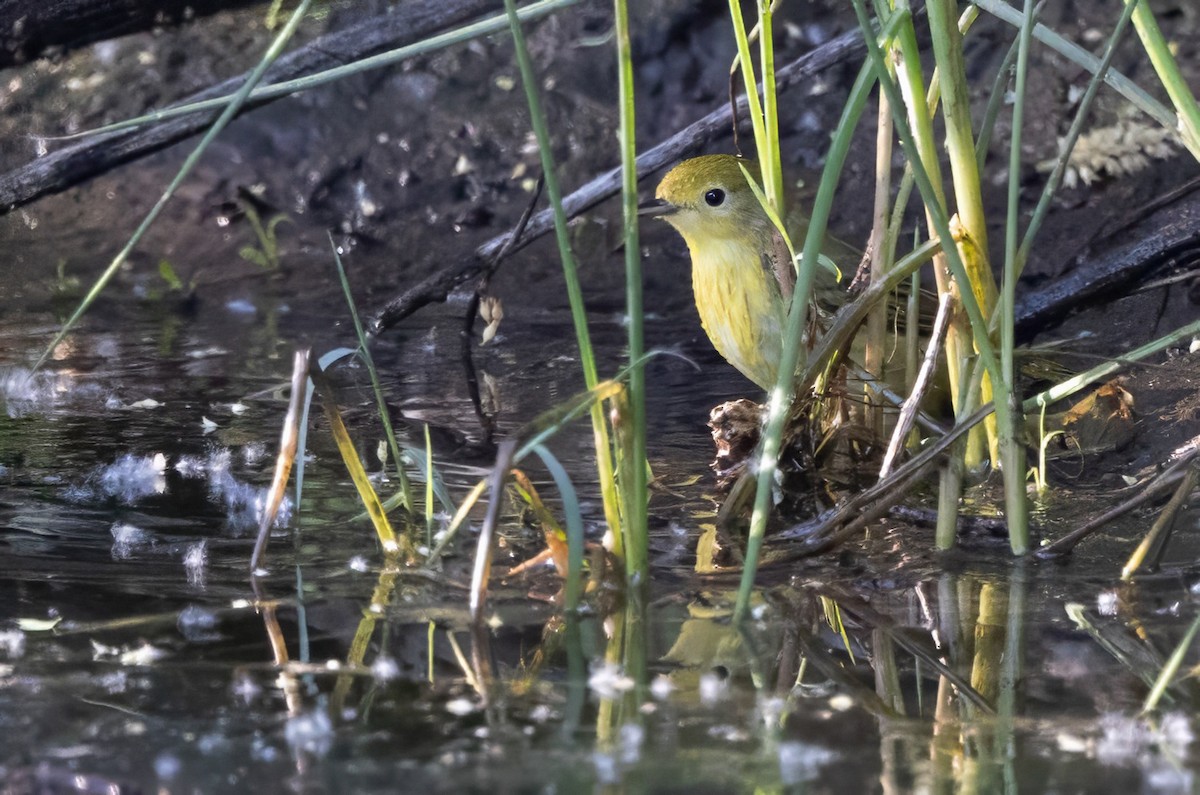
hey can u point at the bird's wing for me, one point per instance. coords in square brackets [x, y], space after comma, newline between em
[778, 262]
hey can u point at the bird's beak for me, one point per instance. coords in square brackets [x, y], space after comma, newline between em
[656, 208]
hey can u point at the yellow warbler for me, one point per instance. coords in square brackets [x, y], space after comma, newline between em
[742, 275]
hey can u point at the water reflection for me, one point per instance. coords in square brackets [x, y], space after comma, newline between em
[130, 616]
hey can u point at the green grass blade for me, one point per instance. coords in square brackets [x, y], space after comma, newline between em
[635, 488]
[574, 519]
[1188, 123]
[779, 399]
[364, 353]
[1011, 446]
[1170, 668]
[1081, 114]
[604, 461]
[1081, 57]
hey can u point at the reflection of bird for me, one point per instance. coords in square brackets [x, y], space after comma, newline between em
[742, 275]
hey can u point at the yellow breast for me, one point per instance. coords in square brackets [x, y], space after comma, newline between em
[740, 307]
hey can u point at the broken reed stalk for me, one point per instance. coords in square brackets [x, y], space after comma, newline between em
[480, 572]
[912, 403]
[1148, 554]
[392, 544]
[941, 223]
[287, 455]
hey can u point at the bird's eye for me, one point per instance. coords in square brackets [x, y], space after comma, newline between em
[715, 197]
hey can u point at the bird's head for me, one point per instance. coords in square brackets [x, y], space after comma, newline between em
[708, 198]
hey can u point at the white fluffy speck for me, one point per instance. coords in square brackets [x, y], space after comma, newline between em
[310, 733]
[713, 688]
[609, 681]
[12, 643]
[385, 669]
[460, 706]
[662, 687]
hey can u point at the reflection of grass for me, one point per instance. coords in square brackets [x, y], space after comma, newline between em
[266, 255]
[64, 285]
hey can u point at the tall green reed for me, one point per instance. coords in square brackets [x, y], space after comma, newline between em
[600, 429]
[634, 475]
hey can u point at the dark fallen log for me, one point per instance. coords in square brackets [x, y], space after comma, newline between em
[30, 29]
[436, 287]
[1166, 233]
[74, 163]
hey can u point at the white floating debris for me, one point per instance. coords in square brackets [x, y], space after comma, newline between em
[207, 425]
[460, 706]
[463, 165]
[38, 624]
[12, 643]
[713, 688]
[132, 477]
[800, 762]
[241, 306]
[609, 681]
[195, 562]
[205, 353]
[246, 689]
[238, 408]
[1071, 743]
[310, 733]
[145, 654]
[145, 403]
[1123, 740]
[167, 766]
[608, 772]
[253, 453]
[385, 669]
[662, 687]
[128, 539]
[542, 713]
[630, 739]
[198, 624]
